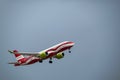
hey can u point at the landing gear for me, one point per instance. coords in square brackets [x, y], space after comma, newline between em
[69, 51]
[40, 61]
[50, 61]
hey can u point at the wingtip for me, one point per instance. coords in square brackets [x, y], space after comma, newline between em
[10, 51]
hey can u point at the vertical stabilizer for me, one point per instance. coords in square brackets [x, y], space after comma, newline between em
[18, 56]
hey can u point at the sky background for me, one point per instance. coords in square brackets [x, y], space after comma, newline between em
[34, 25]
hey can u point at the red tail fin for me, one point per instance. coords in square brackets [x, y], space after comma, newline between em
[18, 56]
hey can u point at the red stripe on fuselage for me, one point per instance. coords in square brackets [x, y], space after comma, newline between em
[55, 48]
[61, 50]
[52, 54]
[32, 61]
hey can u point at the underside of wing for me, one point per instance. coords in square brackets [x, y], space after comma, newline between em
[13, 63]
[29, 53]
[41, 54]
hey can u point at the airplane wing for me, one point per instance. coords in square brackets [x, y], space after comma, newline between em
[13, 63]
[41, 54]
[29, 53]
[25, 53]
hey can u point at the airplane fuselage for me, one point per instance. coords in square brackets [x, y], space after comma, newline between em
[51, 52]
[28, 60]
[66, 45]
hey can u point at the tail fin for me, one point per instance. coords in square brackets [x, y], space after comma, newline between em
[18, 56]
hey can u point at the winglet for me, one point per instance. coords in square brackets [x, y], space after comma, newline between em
[10, 51]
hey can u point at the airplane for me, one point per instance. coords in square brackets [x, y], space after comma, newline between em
[27, 58]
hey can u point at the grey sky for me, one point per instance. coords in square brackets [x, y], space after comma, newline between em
[36, 25]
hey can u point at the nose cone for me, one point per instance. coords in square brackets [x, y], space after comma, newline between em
[69, 42]
[72, 43]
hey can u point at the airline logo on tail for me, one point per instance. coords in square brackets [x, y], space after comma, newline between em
[18, 56]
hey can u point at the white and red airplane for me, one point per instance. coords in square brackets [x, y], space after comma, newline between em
[26, 58]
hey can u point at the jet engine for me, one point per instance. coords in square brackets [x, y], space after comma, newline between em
[59, 55]
[42, 54]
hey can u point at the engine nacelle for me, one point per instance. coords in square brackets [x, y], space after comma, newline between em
[42, 54]
[59, 55]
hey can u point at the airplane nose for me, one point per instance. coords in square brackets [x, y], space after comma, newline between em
[72, 43]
